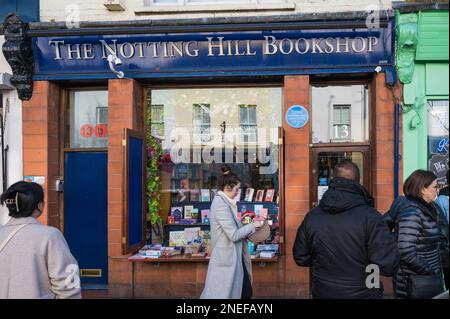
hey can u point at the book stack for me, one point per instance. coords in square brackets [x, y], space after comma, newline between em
[254, 255]
[267, 254]
[267, 251]
[153, 254]
[176, 238]
[170, 251]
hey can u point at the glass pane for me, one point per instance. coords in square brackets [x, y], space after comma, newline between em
[334, 105]
[89, 125]
[243, 114]
[345, 115]
[438, 145]
[252, 115]
[328, 160]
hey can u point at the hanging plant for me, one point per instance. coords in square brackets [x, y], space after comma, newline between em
[153, 179]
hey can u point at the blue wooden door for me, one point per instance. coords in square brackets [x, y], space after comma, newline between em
[85, 214]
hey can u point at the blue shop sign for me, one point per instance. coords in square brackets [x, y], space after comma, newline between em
[215, 54]
[297, 116]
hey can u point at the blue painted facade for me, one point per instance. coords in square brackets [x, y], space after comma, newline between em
[251, 53]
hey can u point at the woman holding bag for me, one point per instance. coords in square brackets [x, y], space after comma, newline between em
[417, 224]
[230, 269]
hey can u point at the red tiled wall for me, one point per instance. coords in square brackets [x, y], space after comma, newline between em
[297, 176]
[40, 125]
[125, 99]
[383, 144]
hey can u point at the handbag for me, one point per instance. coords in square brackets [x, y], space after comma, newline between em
[424, 286]
[261, 234]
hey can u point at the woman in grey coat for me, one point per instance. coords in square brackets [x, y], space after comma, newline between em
[35, 260]
[230, 270]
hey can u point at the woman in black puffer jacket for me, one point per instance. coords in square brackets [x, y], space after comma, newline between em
[416, 221]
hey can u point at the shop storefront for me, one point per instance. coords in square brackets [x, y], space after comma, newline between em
[119, 143]
[422, 62]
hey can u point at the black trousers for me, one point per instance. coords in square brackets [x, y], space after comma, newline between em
[247, 290]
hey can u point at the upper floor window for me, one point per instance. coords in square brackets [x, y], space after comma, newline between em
[189, 2]
[202, 123]
[247, 123]
[157, 120]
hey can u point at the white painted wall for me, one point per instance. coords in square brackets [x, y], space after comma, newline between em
[94, 10]
[13, 133]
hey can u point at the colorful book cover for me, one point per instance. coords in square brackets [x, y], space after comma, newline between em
[205, 195]
[249, 194]
[194, 213]
[184, 184]
[177, 213]
[176, 238]
[259, 195]
[188, 211]
[195, 195]
[258, 209]
[270, 193]
[182, 195]
[204, 214]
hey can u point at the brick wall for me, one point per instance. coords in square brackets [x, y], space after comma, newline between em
[383, 144]
[297, 178]
[125, 99]
[40, 126]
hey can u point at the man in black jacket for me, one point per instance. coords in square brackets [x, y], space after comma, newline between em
[345, 241]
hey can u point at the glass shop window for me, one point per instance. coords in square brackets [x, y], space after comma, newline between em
[345, 108]
[438, 145]
[88, 121]
[205, 128]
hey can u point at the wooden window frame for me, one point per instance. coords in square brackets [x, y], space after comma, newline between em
[127, 248]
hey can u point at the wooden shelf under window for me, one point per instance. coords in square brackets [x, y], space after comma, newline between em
[184, 258]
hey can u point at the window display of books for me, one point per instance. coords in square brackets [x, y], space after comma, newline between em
[192, 203]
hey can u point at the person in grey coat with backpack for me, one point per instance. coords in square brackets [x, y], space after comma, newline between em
[35, 260]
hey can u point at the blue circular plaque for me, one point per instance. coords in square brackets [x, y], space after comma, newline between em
[297, 116]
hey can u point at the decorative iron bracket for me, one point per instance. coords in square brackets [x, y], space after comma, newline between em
[18, 51]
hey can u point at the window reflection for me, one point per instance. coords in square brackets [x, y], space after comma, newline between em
[340, 114]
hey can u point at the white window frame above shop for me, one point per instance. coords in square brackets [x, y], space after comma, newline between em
[201, 2]
[187, 6]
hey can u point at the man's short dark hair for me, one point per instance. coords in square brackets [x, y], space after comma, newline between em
[347, 169]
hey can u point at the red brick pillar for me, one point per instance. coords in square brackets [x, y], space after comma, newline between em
[126, 110]
[297, 178]
[40, 129]
[383, 144]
